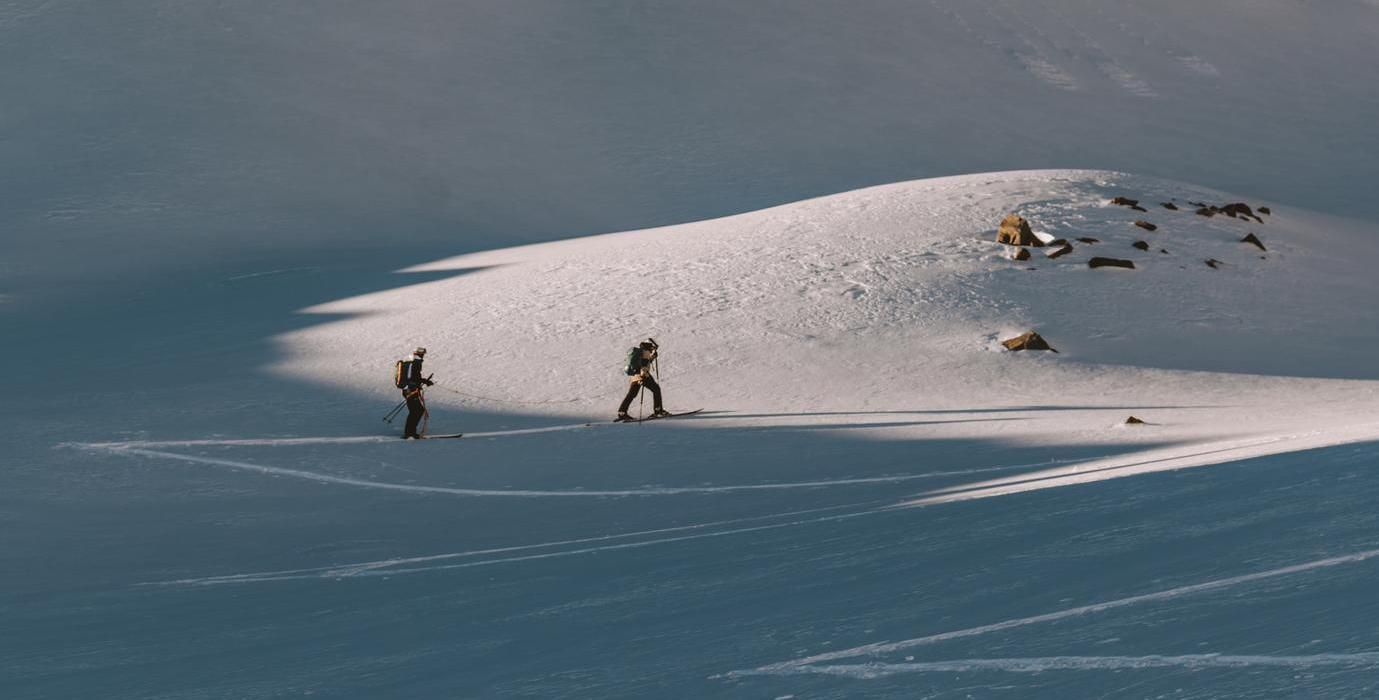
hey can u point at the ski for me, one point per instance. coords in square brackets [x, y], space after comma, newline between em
[673, 415]
[444, 437]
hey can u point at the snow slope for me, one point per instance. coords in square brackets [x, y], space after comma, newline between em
[878, 501]
[895, 298]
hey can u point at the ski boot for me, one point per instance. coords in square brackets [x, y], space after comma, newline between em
[624, 418]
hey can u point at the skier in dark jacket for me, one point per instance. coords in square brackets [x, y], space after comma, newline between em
[639, 361]
[412, 385]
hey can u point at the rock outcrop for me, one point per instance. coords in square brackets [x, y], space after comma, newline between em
[1110, 262]
[1028, 341]
[1134, 421]
[1146, 226]
[1254, 240]
[1265, 211]
[1015, 230]
[1169, 205]
[1142, 245]
[1089, 239]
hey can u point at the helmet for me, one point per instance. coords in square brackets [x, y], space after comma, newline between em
[419, 351]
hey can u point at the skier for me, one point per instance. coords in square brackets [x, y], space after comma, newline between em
[411, 382]
[639, 361]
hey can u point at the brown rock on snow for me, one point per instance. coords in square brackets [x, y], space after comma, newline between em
[1134, 421]
[1265, 211]
[1089, 239]
[1207, 212]
[1125, 201]
[1015, 230]
[1251, 238]
[1021, 254]
[1028, 341]
[1214, 264]
[1169, 205]
[1146, 226]
[1237, 209]
[1110, 262]
[1062, 250]
[1141, 245]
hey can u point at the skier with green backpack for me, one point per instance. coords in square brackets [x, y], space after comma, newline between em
[640, 361]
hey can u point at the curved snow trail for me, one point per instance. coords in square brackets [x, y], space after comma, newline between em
[381, 571]
[1116, 467]
[358, 568]
[537, 493]
[794, 666]
[289, 442]
[1039, 664]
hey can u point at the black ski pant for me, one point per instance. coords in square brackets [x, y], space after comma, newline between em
[416, 408]
[636, 388]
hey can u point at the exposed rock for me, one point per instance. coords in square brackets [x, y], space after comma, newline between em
[1139, 208]
[1028, 341]
[1110, 262]
[1164, 251]
[1146, 226]
[1015, 230]
[1237, 209]
[1125, 201]
[1141, 245]
[1251, 238]
[1134, 421]
[1207, 212]
[1020, 254]
[1062, 250]
[1169, 205]
[1265, 211]
[1057, 242]
[1214, 264]
[1197, 204]
[1089, 239]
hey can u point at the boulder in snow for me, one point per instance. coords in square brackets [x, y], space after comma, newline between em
[1142, 245]
[1265, 211]
[1089, 239]
[1169, 205]
[1015, 230]
[1207, 212]
[1028, 341]
[1146, 225]
[1134, 421]
[1020, 254]
[1253, 239]
[1125, 201]
[1214, 264]
[1110, 262]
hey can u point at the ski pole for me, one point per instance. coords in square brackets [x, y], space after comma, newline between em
[641, 401]
[393, 413]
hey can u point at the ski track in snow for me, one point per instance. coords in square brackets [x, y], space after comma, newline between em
[1095, 663]
[383, 567]
[804, 664]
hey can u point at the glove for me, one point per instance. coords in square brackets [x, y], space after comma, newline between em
[428, 382]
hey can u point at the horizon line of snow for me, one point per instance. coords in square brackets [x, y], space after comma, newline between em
[873, 649]
[1039, 664]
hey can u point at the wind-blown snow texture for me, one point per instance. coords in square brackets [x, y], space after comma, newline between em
[224, 221]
